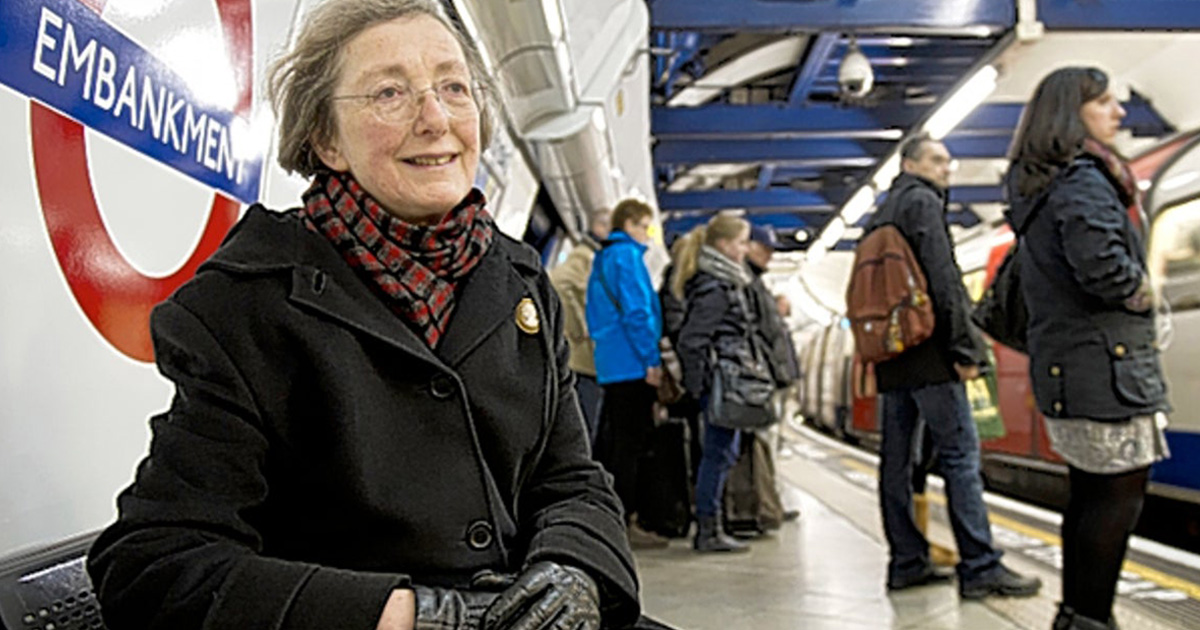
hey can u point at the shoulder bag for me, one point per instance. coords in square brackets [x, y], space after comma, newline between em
[742, 383]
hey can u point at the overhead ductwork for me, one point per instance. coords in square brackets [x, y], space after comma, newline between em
[562, 68]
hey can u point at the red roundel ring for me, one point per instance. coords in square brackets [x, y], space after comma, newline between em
[117, 298]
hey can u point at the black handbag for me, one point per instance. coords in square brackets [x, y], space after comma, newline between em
[742, 383]
[1001, 312]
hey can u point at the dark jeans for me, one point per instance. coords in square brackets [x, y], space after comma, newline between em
[947, 416]
[719, 455]
[626, 418]
[590, 398]
[1100, 516]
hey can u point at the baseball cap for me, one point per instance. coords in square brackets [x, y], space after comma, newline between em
[764, 234]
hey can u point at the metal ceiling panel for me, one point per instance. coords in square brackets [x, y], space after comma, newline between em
[797, 200]
[815, 15]
[1123, 15]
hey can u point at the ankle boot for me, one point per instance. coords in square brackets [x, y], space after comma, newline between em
[1062, 621]
[710, 537]
[1079, 622]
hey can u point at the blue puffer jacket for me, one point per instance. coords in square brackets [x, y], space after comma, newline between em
[626, 338]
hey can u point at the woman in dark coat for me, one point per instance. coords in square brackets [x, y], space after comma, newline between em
[1093, 355]
[341, 451]
[713, 279]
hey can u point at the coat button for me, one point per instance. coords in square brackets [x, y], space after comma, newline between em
[1055, 370]
[441, 386]
[318, 283]
[479, 535]
[1057, 407]
[1119, 350]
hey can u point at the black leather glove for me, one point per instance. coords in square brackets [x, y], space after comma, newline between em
[448, 609]
[547, 596]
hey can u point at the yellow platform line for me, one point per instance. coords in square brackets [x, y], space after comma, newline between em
[1147, 573]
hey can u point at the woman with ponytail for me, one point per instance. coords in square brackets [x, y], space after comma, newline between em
[710, 271]
[1093, 357]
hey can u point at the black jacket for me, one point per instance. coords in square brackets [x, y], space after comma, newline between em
[918, 209]
[1081, 257]
[673, 309]
[784, 365]
[716, 321]
[317, 454]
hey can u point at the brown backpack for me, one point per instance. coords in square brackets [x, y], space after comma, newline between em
[887, 300]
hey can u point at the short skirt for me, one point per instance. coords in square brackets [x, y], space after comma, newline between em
[1108, 448]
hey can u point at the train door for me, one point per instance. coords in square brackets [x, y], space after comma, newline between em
[1174, 260]
[813, 382]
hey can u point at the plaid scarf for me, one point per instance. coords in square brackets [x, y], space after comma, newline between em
[1122, 176]
[713, 262]
[416, 268]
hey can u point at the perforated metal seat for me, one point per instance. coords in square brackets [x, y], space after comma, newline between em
[48, 589]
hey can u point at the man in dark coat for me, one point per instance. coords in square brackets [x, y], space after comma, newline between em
[925, 384]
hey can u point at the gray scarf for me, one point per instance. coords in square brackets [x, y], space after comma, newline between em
[715, 263]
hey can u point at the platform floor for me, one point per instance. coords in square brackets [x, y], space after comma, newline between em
[826, 571]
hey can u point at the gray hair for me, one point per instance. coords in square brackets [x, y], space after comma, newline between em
[914, 147]
[301, 81]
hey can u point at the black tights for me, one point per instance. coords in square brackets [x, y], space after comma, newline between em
[1100, 516]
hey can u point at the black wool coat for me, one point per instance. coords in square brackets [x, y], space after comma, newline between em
[918, 210]
[1081, 257]
[317, 454]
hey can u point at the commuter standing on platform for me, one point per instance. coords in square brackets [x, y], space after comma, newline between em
[570, 280]
[925, 383]
[710, 274]
[374, 426]
[625, 320]
[752, 500]
[1093, 357]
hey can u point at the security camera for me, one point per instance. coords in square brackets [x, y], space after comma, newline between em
[855, 75]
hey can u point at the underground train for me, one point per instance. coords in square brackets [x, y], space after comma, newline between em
[837, 390]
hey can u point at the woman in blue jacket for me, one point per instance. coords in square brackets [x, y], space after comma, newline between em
[625, 322]
[1093, 356]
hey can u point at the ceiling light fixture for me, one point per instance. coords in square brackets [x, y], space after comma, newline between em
[961, 103]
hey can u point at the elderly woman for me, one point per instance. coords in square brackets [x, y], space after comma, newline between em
[341, 451]
[1093, 357]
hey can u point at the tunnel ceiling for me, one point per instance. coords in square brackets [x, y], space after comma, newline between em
[748, 113]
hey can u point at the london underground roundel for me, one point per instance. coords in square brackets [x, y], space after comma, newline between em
[116, 297]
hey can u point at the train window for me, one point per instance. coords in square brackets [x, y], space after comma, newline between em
[1174, 257]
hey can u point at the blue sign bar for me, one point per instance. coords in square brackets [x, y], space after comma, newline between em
[62, 54]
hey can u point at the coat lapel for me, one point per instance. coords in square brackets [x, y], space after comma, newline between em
[324, 282]
[487, 301]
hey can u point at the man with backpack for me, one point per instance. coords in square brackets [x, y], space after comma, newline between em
[923, 383]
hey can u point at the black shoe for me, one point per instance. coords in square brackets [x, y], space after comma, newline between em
[745, 529]
[1062, 621]
[932, 575]
[711, 538]
[1004, 582]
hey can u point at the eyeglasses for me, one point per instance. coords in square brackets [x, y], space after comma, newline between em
[399, 102]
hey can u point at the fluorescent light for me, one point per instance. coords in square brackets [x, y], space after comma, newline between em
[858, 205]
[1176, 181]
[887, 172]
[833, 232]
[815, 253]
[961, 103]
